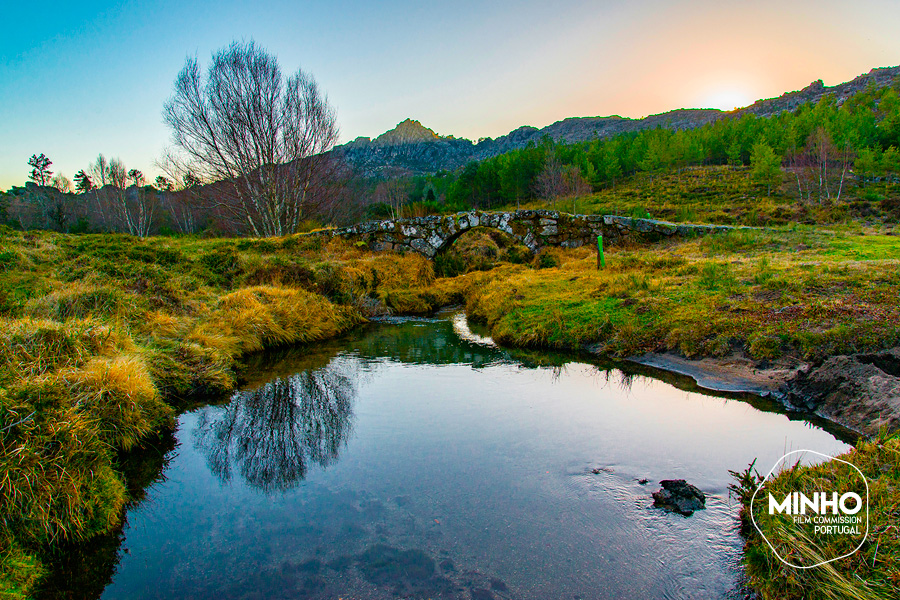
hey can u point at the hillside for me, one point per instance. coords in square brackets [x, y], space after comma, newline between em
[412, 149]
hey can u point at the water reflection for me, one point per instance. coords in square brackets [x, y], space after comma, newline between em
[272, 434]
[474, 472]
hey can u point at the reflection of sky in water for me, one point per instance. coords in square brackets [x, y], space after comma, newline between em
[366, 476]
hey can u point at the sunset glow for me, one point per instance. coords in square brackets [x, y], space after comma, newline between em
[727, 99]
[73, 86]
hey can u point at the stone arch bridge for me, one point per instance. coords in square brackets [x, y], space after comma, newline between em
[536, 229]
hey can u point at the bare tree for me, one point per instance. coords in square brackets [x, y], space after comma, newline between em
[817, 167]
[820, 149]
[550, 183]
[394, 193]
[124, 202]
[115, 193]
[61, 183]
[560, 181]
[180, 191]
[140, 205]
[845, 156]
[98, 173]
[99, 170]
[260, 133]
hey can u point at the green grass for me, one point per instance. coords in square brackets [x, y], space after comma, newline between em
[872, 573]
[868, 247]
[133, 330]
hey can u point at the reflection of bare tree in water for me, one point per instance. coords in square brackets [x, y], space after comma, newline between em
[271, 434]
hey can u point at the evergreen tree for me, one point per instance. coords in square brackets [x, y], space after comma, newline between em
[765, 166]
[41, 173]
[83, 183]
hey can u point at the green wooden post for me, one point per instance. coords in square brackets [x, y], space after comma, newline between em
[601, 260]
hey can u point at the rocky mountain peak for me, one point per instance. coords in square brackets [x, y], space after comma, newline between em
[409, 131]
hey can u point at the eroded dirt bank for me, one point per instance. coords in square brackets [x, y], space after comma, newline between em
[858, 391]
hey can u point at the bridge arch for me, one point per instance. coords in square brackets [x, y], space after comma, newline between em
[431, 235]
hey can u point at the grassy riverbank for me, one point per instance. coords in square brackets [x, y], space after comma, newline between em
[106, 337]
[872, 573]
[801, 292]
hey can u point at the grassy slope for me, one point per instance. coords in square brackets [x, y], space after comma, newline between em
[727, 196]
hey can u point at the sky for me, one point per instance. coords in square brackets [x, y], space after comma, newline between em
[82, 78]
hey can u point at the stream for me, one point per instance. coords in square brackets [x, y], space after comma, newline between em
[413, 458]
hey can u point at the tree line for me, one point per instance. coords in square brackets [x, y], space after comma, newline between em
[251, 157]
[106, 196]
[814, 151]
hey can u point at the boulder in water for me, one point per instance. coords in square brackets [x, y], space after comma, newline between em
[679, 496]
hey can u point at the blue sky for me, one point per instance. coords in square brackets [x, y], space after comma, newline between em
[80, 78]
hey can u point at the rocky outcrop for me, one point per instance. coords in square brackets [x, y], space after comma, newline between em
[409, 131]
[536, 229]
[817, 90]
[860, 391]
[388, 160]
[679, 496]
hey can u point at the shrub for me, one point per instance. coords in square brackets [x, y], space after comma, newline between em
[545, 260]
[449, 264]
[639, 212]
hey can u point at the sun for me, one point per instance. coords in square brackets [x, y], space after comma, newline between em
[727, 99]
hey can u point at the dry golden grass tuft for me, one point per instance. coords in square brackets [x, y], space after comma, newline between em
[119, 394]
[159, 324]
[251, 319]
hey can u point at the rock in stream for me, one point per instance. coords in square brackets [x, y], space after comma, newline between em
[679, 496]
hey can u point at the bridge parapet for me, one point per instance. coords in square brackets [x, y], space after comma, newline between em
[536, 229]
